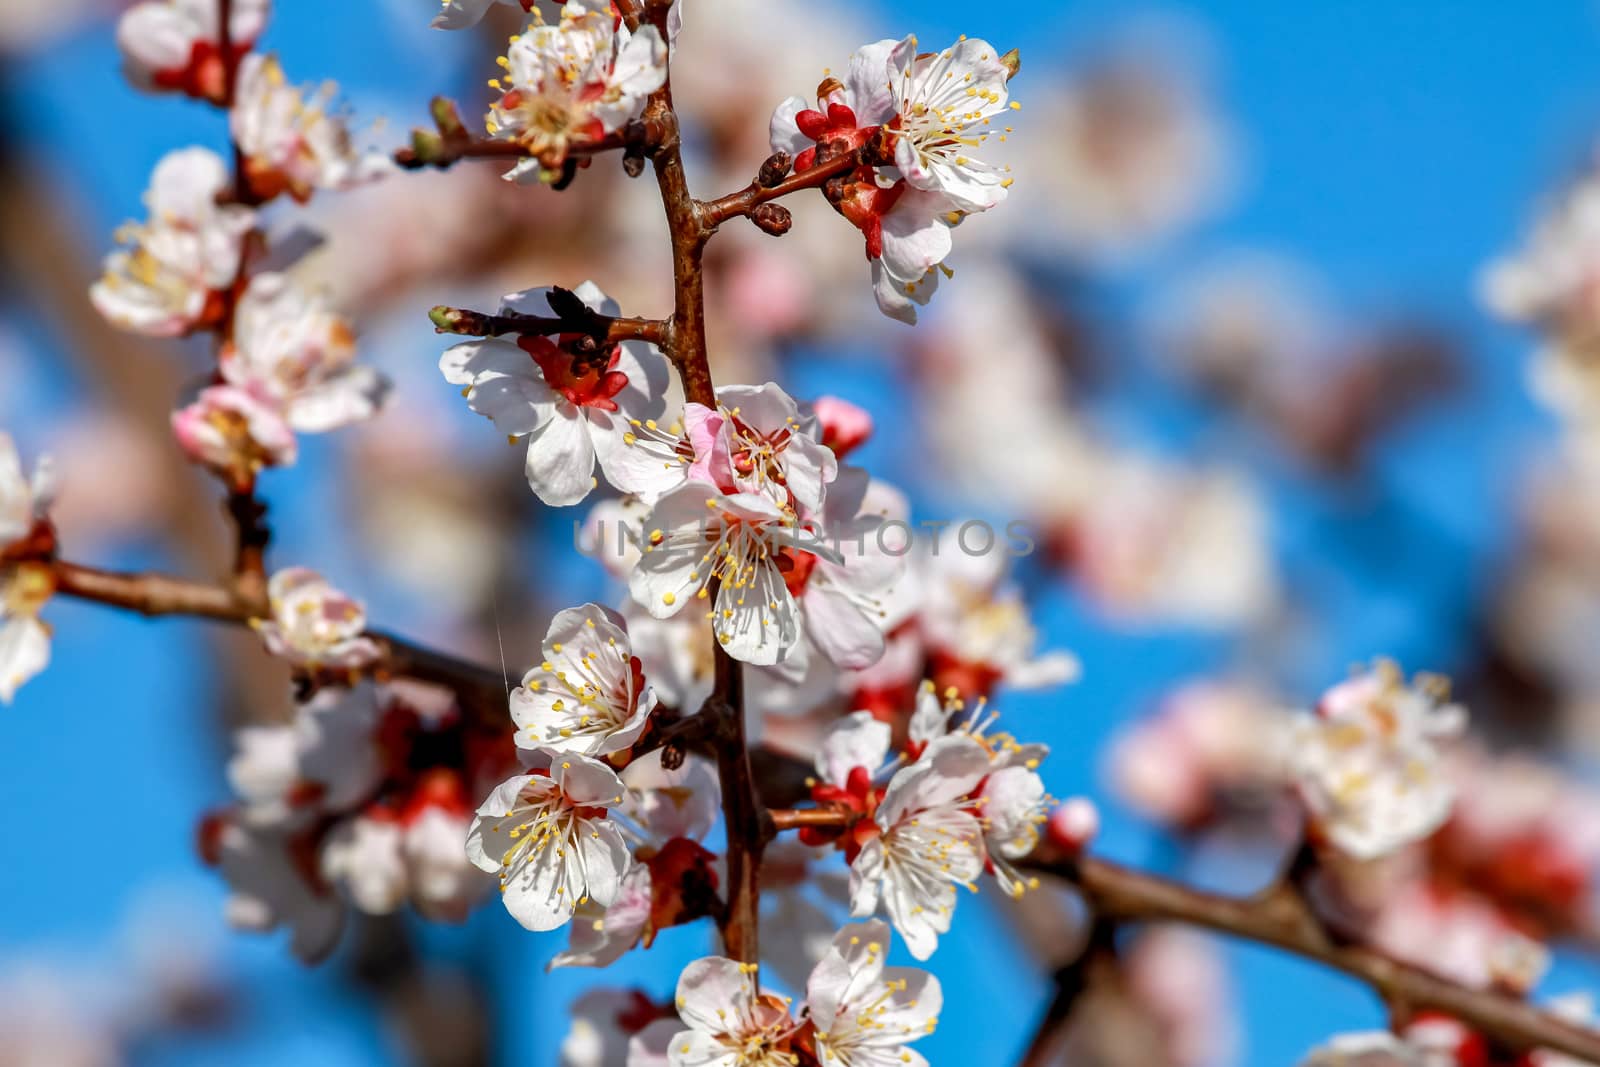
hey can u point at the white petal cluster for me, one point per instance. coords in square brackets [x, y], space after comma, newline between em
[549, 840]
[860, 1011]
[588, 695]
[665, 814]
[571, 83]
[744, 494]
[1378, 1048]
[929, 842]
[293, 140]
[169, 276]
[176, 45]
[787, 531]
[1368, 763]
[329, 815]
[573, 408]
[313, 625]
[962, 799]
[935, 110]
[1549, 283]
[288, 367]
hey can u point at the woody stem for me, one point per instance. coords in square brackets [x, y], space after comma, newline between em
[685, 344]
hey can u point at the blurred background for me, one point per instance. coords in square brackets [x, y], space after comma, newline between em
[1226, 351]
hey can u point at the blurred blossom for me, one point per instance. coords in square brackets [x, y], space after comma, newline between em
[177, 44]
[47, 1021]
[1368, 763]
[1209, 751]
[1520, 834]
[363, 799]
[1179, 977]
[295, 140]
[24, 27]
[1551, 597]
[1550, 284]
[1160, 544]
[1242, 319]
[1126, 153]
[1456, 934]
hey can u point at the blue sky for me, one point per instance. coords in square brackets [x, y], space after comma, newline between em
[1394, 147]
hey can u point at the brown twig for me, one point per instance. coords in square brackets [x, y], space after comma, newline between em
[607, 328]
[714, 213]
[479, 690]
[798, 818]
[1280, 917]
[451, 143]
[249, 515]
[152, 594]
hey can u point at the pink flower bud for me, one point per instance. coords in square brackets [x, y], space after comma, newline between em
[1074, 824]
[844, 425]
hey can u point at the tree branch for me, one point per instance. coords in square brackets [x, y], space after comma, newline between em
[452, 143]
[714, 213]
[479, 690]
[685, 344]
[606, 328]
[798, 818]
[1280, 917]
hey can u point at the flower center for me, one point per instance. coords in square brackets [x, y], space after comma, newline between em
[587, 380]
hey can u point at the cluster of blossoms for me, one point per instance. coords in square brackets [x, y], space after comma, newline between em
[744, 496]
[569, 85]
[1435, 856]
[856, 1010]
[744, 534]
[960, 801]
[924, 116]
[1152, 541]
[285, 363]
[1207, 754]
[572, 837]
[1368, 763]
[179, 45]
[362, 800]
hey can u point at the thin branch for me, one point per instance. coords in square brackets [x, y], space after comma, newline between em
[249, 515]
[714, 213]
[452, 143]
[686, 334]
[799, 818]
[478, 689]
[1280, 917]
[153, 594]
[416, 156]
[607, 328]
